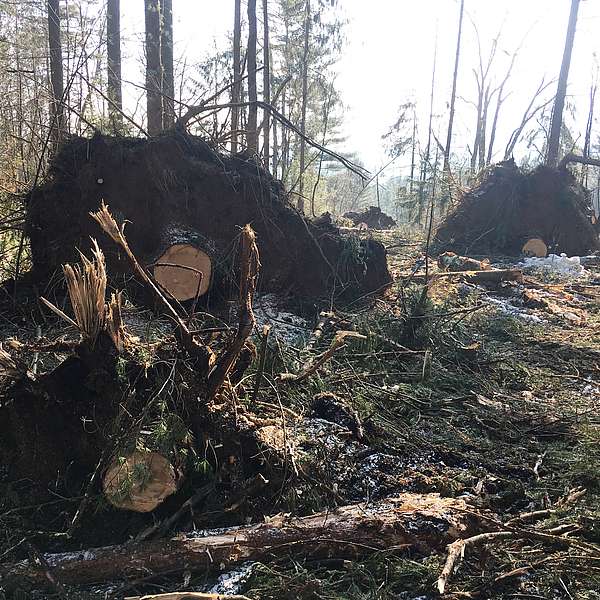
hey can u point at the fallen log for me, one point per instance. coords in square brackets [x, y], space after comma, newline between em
[422, 522]
[450, 261]
[188, 596]
[493, 276]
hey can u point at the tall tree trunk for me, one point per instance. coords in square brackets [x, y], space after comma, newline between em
[413, 152]
[113, 43]
[483, 127]
[153, 67]
[453, 95]
[275, 157]
[285, 140]
[166, 62]
[588, 130]
[252, 131]
[425, 164]
[326, 111]
[499, 103]
[495, 124]
[237, 74]
[477, 139]
[590, 120]
[304, 104]
[559, 101]
[266, 83]
[57, 110]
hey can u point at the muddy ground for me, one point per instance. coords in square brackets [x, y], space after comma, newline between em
[496, 401]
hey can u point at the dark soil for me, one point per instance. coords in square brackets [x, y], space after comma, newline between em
[176, 188]
[510, 207]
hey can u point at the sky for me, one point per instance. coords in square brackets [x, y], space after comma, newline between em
[388, 56]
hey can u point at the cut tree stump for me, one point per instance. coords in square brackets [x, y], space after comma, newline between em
[535, 247]
[422, 522]
[139, 482]
[184, 271]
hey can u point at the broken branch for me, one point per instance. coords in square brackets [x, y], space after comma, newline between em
[250, 264]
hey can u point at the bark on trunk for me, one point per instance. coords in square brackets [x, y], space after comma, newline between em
[477, 139]
[237, 74]
[423, 522]
[483, 129]
[304, 105]
[153, 67]
[453, 95]
[266, 84]
[113, 43]
[425, 164]
[559, 101]
[252, 131]
[166, 59]
[412, 155]
[588, 130]
[57, 111]
[275, 157]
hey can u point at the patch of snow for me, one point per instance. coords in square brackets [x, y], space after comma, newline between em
[590, 390]
[553, 263]
[286, 326]
[55, 560]
[505, 307]
[232, 582]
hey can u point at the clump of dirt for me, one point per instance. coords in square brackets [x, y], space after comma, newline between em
[373, 217]
[510, 207]
[175, 189]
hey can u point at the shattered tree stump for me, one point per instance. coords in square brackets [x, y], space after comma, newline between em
[422, 522]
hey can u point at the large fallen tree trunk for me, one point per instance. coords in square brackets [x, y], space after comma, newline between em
[423, 522]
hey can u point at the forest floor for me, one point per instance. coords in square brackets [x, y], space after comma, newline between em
[497, 403]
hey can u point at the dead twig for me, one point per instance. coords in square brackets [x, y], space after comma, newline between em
[326, 320]
[457, 549]
[263, 356]
[193, 111]
[162, 527]
[339, 341]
